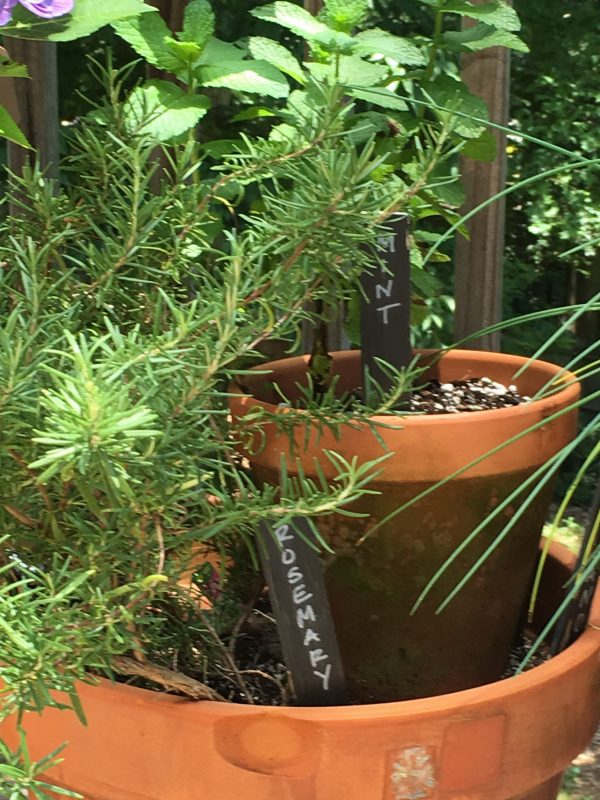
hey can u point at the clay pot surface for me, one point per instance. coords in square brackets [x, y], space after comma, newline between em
[504, 741]
[387, 653]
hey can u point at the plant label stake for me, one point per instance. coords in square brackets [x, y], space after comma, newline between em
[385, 309]
[301, 606]
[573, 620]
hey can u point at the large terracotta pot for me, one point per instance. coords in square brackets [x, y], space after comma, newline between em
[387, 653]
[508, 740]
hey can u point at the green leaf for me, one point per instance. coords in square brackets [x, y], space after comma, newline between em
[333, 41]
[343, 15]
[87, 16]
[267, 50]
[198, 22]
[217, 51]
[481, 36]
[453, 95]
[10, 130]
[497, 13]
[353, 71]
[186, 52]
[483, 148]
[367, 43]
[364, 128]
[423, 281]
[290, 16]
[256, 112]
[284, 133]
[449, 194]
[161, 110]
[148, 35]
[382, 97]
[10, 69]
[77, 707]
[258, 77]
[219, 148]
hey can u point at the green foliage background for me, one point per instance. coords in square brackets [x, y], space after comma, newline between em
[554, 96]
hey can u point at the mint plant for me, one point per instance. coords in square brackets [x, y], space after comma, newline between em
[408, 98]
[198, 60]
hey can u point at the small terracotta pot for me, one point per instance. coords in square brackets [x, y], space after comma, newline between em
[387, 653]
[508, 740]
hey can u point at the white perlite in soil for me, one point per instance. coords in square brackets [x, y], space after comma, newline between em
[474, 394]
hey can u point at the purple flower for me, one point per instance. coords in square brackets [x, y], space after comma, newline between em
[41, 8]
[6, 7]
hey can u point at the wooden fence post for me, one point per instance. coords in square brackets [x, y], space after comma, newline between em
[336, 334]
[479, 260]
[172, 12]
[33, 103]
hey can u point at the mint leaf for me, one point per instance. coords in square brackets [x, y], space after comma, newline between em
[10, 69]
[380, 97]
[258, 77]
[290, 16]
[198, 22]
[481, 36]
[148, 35]
[216, 51]
[343, 15]
[10, 130]
[497, 13]
[353, 71]
[453, 95]
[367, 43]
[484, 148]
[333, 41]
[425, 283]
[254, 112]
[284, 133]
[162, 111]
[300, 109]
[267, 50]
[185, 52]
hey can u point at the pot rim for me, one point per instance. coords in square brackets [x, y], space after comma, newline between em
[540, 408]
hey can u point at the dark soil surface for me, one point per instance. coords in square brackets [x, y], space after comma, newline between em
[263, 678]
[525, 641]
[475, 394]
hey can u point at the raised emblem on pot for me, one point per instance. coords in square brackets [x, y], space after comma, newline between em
[412, 774]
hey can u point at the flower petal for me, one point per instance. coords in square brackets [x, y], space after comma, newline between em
[48, 8]
[6, 7]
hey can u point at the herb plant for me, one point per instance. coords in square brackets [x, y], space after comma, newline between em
[132, 296]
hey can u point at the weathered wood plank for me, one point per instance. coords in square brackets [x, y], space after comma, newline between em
[479, 260]
[34, 104]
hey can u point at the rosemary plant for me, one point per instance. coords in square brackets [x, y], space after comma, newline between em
[135, 293]
[125, 314]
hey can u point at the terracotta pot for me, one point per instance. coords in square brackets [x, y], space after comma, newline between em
[508, 740]
[387, 653]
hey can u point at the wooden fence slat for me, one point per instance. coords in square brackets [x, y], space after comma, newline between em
[479, 260]
[34, 104]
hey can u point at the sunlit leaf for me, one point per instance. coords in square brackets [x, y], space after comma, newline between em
[10, 130]
[162, 110]
[257, 77]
